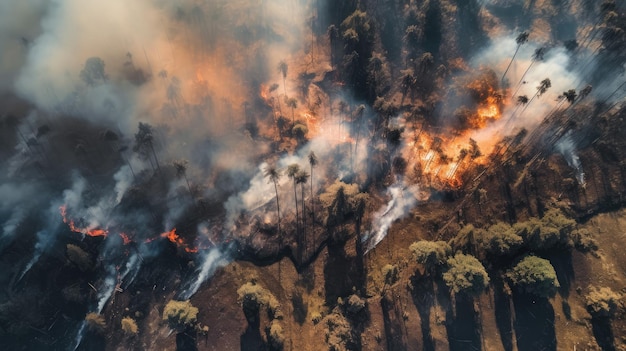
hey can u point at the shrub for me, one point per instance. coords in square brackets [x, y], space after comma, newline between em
[466, 275]
[79, 257]
[338, 332]
[355, 304]
[129, 326]
[602, 302]
[252, 296]
[276, 336]
[535, 276]
[95, 322]
[584, 241]
[180, 314]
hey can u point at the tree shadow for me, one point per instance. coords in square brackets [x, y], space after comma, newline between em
[341, 274]
[300, 309]
[92, 341]
[603, 332]
[502, 304]
[534, 323]
[393, 324]
[423, 295]
[251, 339]
[561, 260]
[463, 327]
[186, 341]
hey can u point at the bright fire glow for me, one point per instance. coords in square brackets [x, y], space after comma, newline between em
[76, 229]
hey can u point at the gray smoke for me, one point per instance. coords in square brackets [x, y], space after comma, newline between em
[566, 146]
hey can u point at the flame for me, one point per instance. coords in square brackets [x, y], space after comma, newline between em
[73, 227]
[265, 92]
[173, 237]
[125, 238]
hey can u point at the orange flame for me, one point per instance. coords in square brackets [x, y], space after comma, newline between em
[70, 223]
[173, 237]
[125, 238]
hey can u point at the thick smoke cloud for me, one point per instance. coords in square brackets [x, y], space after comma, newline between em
[190, 69]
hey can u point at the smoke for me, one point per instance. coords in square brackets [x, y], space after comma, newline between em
[213, 259]
[403, 200]
[123, 180]
[566, 146]
[47, 236]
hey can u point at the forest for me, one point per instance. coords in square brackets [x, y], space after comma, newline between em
[313, 175]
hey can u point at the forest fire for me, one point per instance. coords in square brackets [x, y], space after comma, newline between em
[89, 232]
[175, 238]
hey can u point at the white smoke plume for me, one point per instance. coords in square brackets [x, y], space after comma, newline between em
[47, 236]
[566, 146]
[212, 259]
[403, 200]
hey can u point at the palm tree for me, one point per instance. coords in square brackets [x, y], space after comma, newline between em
[292, 171]
[181, 171]
[274, 175]
[273, 88]
[570, 96]
[541, 89]
[301, 178]
[537, 56]
[282, 68]
[292, 103]
[313, 162]
[521, 39]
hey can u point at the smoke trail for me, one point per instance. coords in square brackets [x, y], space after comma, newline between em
[567, 147]
[401, 203]
[213, 259]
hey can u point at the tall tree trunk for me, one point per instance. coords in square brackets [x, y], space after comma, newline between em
[303, 216]
[312, 199]
[521, 80]
[295, 196]
[510, 63]
[155, 156]
[277, 207]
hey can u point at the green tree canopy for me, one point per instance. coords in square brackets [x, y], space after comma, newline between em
[500, 240]
[431, 254]
[602, 302]
[466, 275]
[534, 275]
[554, 229]
[180, 314]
